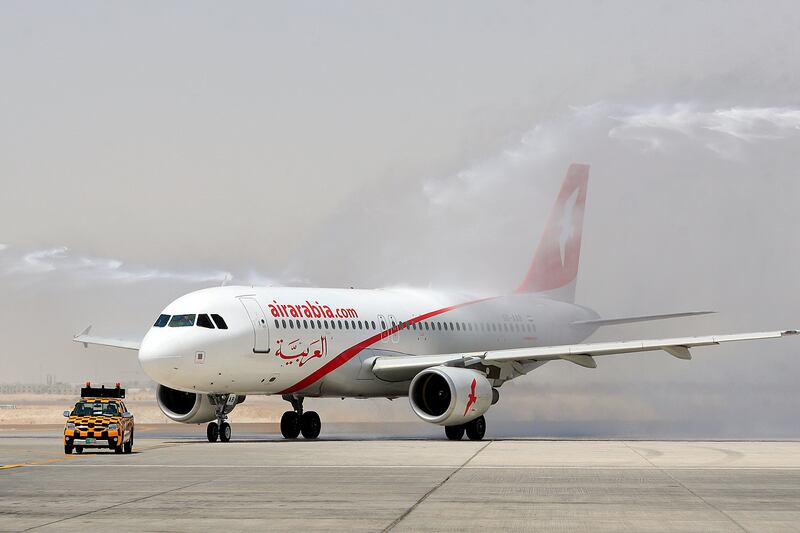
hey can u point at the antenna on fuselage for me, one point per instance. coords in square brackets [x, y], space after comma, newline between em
[226, 280]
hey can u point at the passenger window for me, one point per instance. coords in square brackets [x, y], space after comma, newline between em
[326, 324]
[346, 325]
[373, 324]
[277, 324]
[319, 324]
[219, 321]
[340, 324]
[359, 324]
[383, 324]
[311, 322]
[439, 326]
[291, 324]
[204, 322]
[458, 326]
[181, 321]
[283, 323]
[161, 321]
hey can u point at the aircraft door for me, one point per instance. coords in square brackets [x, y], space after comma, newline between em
[259, 321]
[384, 325]
[393, 322]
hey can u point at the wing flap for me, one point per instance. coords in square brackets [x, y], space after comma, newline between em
[549, 353]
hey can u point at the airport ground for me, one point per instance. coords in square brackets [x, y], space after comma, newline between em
[175, 481]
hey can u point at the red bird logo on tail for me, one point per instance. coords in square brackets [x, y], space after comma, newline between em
[471, 398]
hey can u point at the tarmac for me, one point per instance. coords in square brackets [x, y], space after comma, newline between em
[179, 482]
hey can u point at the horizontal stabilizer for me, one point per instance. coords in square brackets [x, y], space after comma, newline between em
[632, 319]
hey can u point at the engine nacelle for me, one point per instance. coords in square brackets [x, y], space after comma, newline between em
[449, 396]
[189, 407]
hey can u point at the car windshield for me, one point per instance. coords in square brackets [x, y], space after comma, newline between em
[95, 409]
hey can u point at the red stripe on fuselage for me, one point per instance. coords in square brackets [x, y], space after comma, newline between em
[351, 352]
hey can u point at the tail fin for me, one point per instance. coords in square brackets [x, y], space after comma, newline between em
[554, 268]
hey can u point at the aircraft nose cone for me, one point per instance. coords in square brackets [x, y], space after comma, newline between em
[159, 357]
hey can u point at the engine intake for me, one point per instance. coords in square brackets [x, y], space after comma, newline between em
[450, 396]
[189, 407]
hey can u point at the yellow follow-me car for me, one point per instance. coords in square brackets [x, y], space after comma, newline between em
[99, 420]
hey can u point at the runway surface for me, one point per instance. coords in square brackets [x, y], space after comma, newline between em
[182, 483]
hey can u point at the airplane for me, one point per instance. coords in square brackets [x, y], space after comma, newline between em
[449, 353]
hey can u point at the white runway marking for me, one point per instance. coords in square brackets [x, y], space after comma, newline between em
[419, 467]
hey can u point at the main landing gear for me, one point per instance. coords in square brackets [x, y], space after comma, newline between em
[475, 430]
[220, 429]
[295, 422]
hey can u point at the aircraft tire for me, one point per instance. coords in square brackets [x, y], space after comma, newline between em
[476, 429]
[212, 432]
[310, 425]
[68, 449]
[225, 432]
[454, 432]
[290, 425]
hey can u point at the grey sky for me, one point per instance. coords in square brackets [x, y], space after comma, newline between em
[152, 148]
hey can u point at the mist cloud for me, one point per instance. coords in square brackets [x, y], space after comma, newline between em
[42, 264]
[724, 131]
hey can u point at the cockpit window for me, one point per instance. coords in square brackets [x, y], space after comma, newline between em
[204, 322]
[219, 321]
[181, 321]
[161, 321]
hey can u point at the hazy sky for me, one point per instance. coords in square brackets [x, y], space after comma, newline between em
[151, 148]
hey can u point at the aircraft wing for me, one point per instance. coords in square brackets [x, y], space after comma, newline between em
[405, 367]
[86, 339]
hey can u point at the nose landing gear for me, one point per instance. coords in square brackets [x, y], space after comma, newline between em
[220, 429]
[295, 422]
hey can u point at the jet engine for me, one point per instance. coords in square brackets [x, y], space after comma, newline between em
[449, 396]
[190, 407]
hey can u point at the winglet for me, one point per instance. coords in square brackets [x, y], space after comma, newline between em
[81, 334]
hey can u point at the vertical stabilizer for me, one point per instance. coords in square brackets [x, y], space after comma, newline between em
[554, 269]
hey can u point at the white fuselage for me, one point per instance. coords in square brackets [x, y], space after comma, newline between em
[315, 342]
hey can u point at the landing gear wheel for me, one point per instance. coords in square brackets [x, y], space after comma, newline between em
[310, 425]
[290, 425]
[68, 449]
[454, 432]
[212, 432]
[78, 449]
[128, 446]
[476, 429]
[225, 432]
